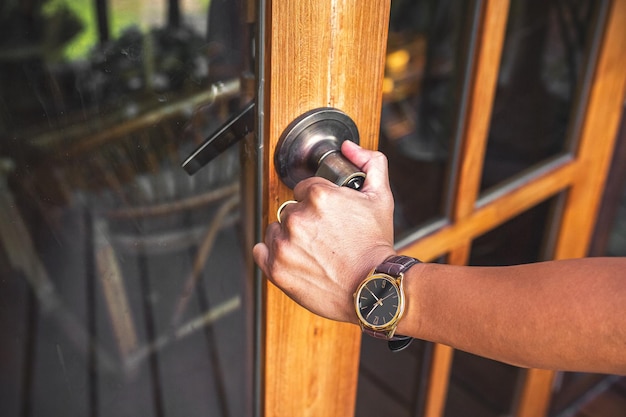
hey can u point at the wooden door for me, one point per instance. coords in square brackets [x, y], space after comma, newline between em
[332, 53]
[318, 54]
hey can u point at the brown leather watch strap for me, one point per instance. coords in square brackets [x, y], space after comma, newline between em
[395, 265]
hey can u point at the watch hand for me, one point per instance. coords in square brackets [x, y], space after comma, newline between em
[374, 295]
[384, 298]
[372, 310]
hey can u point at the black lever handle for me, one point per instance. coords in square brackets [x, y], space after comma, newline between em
[235, 129]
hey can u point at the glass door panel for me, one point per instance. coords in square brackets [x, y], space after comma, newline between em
[424, 73]
[581, 122]
[542, 79]
[530, 243]
[124, 289]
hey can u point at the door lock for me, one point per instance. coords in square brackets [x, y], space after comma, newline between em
[311, 146]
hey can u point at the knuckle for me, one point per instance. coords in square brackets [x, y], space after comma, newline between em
[280, 259]
[279, 247]
[319, 193]
[292, 222]
[379, 156]
[288, 222]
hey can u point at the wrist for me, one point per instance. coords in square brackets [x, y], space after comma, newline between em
[367, 264]
[370, 261]
[413, 283]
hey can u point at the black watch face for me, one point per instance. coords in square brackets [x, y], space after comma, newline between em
[378, 301]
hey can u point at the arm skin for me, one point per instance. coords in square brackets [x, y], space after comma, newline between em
[565, 315]
[562, 315]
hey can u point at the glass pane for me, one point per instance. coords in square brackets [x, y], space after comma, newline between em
[480, 387]
[542, 70]
[423, 74]
[496, 248]
[617, 239]
[391, 383]
[122, 278]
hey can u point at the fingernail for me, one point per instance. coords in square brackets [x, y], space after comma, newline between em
[353, 144]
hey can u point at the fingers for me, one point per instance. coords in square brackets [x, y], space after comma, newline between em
[373, 163]
[302, 190]
[260, 252]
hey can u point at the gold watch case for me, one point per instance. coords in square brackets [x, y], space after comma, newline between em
[379, 303]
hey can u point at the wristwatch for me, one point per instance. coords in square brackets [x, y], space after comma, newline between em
[379, 301]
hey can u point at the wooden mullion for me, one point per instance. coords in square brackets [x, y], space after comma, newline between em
[438, 380]
[597, 139]
[480, 103]
[493, 213]
[484, 74]
[535, 392]
[616, 182]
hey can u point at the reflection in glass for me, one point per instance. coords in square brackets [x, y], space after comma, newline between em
[423, 71]
[122, 282]
[541, 72]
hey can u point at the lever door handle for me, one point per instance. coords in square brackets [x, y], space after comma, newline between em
[231, 132]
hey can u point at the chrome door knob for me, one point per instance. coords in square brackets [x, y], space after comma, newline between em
[311, 146]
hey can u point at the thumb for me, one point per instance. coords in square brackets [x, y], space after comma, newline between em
[373, 163]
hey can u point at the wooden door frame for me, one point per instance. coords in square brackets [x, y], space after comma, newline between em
[331, 53]
[579, 175]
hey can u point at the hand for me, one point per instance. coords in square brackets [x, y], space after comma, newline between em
[331, 239]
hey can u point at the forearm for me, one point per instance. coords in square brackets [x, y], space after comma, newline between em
[568, 315]
[565, 315]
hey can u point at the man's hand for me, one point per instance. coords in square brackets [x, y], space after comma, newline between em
[331, 239]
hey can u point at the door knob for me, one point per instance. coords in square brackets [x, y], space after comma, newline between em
[311, 146]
